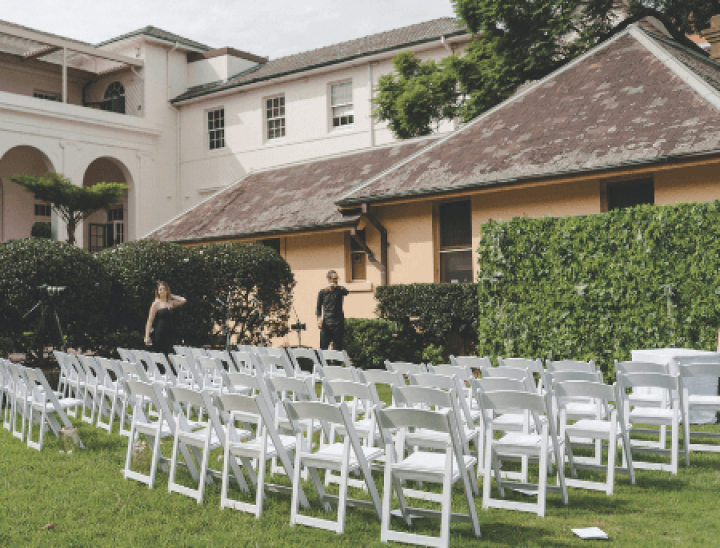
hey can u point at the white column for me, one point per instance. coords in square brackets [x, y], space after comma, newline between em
[136, 227]
[71, 169]
[370, 105]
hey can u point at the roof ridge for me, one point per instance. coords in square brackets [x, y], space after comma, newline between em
[147, 30]
[51, 34]
[685, 73]
[491, 111]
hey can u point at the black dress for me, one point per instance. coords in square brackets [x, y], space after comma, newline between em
[164, 335]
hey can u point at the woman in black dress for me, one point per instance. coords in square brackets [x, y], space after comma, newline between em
[162, 315]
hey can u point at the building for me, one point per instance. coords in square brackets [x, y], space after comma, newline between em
[177, 120]
[636, 120]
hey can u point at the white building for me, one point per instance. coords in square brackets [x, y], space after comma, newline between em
[176, 119]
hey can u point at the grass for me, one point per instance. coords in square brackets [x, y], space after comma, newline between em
[85, 495]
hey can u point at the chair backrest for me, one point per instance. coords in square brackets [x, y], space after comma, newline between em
[251, 407]
[224, 357]
[584, 389]
[109, 371]
[244, 361]
[381, 376]
[297, 354]
[565, 376]
[329, 356]
[463, 373]
[471, 362]
[570, 365]
[498, 384]
[699, 369]
[450, 383]
[285, 386]
[93, 375]
[641, 367]
[274, 363]
[337, 391]
[405, 368]
[131, 371]
[534, 404]
[519, 363]
[126, 354]
[233, 380]
[504, 372]
[333, 372]
[186, 396]
[648, 380]
[212, 369]
[313, 410]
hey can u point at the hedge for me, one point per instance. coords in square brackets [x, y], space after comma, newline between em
[245, 272]
[28, 263]
[433, 314]
[599, 286]
[370, 342]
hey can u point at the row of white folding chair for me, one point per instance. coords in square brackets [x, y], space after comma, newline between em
[18, 392]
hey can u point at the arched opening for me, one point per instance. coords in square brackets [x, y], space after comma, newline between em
[107, 228]
[18, 208]
[114, 98]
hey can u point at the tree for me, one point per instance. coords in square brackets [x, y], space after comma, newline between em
[73, 204]
[515, 41]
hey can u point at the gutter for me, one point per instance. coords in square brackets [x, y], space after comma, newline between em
[317, 68]
[382, 264]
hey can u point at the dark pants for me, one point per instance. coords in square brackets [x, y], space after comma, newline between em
[332, 333]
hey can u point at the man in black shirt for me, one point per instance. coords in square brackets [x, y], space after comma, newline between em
[330, 301]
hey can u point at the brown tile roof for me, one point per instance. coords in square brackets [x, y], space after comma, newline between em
[620, 104]
[287, 198]
[156, 32]
[336, 53]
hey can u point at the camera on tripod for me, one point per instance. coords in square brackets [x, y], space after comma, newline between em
[51, 291]
[299, 327]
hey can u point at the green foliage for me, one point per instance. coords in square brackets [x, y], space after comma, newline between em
[41, 230]
[29, 263]
[515, 42]
[72, 203]
[432, 313]
[434, 354]
[370, 342]
[599, 286]
[135, 269]
[243, 271]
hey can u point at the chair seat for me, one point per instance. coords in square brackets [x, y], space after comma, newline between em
[424, 462]
[252, 448]
[330, 457]
[575, 409]
[651, 415]
[64, 404]
[515, 443]
[711, 401]
[198, 437]
[436, 439]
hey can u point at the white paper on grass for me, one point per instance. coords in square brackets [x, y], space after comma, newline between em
[590, 533]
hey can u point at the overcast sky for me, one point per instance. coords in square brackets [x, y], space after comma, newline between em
[271, 28]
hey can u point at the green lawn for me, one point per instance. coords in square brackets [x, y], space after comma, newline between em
[85, 495]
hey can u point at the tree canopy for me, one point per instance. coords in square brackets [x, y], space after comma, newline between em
[514, 42]
[72, 203]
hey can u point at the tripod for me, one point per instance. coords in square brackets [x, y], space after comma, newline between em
[47, 308]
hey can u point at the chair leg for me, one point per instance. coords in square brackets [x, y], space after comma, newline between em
[445, 512]
[295, 501]
[612, 450]
[542, 482]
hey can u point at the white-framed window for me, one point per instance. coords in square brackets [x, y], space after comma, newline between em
[341, 105]
[43, 209]
[275, 117]
[216, 128]
[455, 220]
[47, 95]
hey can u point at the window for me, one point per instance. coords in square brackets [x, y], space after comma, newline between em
[115, 214]
[630, 193]
[104, 235]
[455, 221]
[114, 98]
[275, 109]
[358, 258]
[216, 128]
[47, 95]
[273, 243]
[43, 210]
[341, 104]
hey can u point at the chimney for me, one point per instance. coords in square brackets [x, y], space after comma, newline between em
[712, 35]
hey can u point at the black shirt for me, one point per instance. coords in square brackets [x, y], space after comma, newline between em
[332, 303]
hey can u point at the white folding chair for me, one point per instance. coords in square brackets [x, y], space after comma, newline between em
[346, 458]
[20, 398]
[533, 367]
[265, 445]
[424, 466]
[110, 391]
[405, 368]
[308, 354]
[140, 393]
[50, 407]
[656, 416]
[127, 371]
[473, 363]
[382, 377]
[329, 357]
[244, 361]
[604, 426]
[697, 402]
[93, 384]
[543, 443]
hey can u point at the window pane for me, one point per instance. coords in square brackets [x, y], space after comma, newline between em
[456, 267]
[455, 224]
[630, 193]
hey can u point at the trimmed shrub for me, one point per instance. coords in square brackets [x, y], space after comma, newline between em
[135, 269]
[599, 286]
[82, 308]
[41, 230]
[370, 342]
[245, 272]
[441, 314]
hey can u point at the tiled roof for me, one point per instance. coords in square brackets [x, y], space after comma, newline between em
[49, 34]
[157, 33]
[619, 105]
[337, 53]
[284, 199]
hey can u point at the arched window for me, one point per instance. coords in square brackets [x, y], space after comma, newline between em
[114, 98]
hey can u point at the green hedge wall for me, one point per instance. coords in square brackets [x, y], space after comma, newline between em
[370, 342]
[438, 314]
[600, 286]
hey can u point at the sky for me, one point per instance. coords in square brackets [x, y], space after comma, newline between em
[273, 28]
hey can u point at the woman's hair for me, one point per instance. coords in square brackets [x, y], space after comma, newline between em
[157, 290]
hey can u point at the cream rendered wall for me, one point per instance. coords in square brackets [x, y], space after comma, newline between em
[215, 69]
[309, 132]
[26, 79]
[691, 184]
